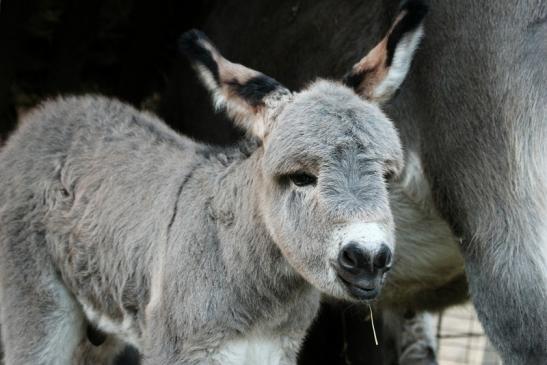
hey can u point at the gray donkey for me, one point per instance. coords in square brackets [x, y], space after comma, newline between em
[196, 254]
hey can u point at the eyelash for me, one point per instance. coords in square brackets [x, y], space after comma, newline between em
[302, 178]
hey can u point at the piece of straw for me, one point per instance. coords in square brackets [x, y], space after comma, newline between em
[373, 329]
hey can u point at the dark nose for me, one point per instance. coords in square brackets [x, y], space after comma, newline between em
[357, 260]
[382, 258]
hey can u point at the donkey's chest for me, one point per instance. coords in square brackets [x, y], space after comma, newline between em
[252, 350]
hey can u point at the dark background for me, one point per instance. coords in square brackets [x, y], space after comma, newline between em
[120, 48]
[127, 49]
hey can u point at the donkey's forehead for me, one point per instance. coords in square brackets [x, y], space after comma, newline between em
[323, 120]
[328, 113]
[333, 105]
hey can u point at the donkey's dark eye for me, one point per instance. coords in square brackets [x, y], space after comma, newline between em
[303, 179]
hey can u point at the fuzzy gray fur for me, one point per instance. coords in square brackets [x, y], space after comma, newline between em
[180, 248]
[193, 254]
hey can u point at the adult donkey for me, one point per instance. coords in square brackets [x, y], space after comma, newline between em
[473, 114]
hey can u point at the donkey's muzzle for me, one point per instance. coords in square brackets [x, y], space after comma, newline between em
[362, 270]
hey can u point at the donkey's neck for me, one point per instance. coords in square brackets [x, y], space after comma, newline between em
[246, 244]
[220, 254]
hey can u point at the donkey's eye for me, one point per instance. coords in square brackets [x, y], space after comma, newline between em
[303, 178]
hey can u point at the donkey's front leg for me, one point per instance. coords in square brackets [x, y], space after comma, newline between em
[41, 322]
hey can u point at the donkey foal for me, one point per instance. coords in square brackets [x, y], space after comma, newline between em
[196, 254]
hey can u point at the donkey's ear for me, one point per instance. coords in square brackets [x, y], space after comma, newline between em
[248, 96]
[380, 73]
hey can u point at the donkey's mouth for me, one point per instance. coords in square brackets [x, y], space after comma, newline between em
[360, 291]
[361, 286]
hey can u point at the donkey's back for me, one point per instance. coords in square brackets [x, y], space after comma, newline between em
[87, 135]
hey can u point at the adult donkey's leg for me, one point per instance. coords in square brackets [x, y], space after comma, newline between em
[484, 145]
[508, 284]
[482, 126]
[494, 193]
[1, 349]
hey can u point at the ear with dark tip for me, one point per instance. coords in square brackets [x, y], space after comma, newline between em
[248, 96]
[380, 73]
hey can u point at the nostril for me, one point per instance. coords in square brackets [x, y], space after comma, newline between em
[348, 259]
[382, 259]
[353, 257]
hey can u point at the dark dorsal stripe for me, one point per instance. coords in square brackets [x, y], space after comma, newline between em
[255, 89]
[191, 45]
[415, 12]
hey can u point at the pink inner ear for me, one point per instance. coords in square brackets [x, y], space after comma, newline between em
[235, 73]
[372, 77]
[245, 94]
[370, 71]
